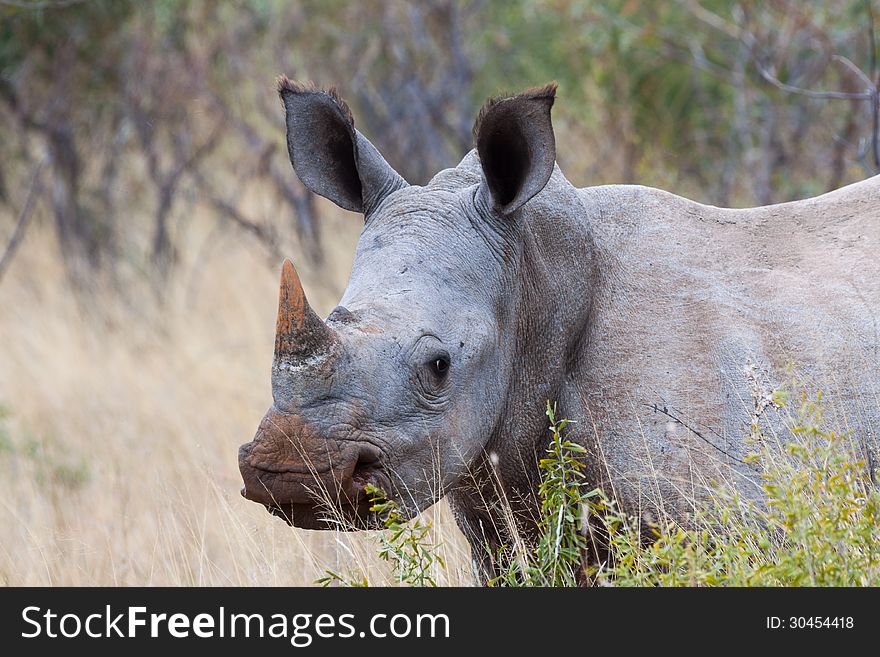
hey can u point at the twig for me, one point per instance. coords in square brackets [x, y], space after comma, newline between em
[665, 411]
[23, 219]
[855, 69]
[712, 19]
[834, 95]
[263, 233]
[44, 4]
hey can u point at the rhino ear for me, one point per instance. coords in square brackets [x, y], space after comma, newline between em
[514, 138]
[329, 156]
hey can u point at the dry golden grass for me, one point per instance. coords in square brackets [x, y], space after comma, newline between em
[118, 449]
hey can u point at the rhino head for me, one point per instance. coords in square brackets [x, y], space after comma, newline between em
[410, 376]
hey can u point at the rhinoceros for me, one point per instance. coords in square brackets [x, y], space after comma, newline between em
[661, 325]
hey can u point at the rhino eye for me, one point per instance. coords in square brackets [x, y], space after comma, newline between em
[440, 365]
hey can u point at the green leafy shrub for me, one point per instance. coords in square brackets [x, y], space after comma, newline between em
[405, 545]
[820, 525]
[557, 558]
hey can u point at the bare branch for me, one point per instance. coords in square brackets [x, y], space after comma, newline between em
[712, 19]
[23, 218]
[40, 4]
[262, 232]
[859, 73]
[809, 93]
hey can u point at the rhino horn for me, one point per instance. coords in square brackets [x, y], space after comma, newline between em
[299, 332]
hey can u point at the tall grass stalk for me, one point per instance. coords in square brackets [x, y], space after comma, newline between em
[405, 545]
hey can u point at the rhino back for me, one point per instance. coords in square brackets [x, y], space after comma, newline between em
[699, 313]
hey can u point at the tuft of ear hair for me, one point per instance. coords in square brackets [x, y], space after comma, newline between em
[544, 92]
[284, 84]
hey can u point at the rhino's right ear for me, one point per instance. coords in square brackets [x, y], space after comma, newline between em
[514, 138]
[330, 157]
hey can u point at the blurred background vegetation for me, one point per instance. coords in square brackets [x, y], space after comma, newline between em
[142, 110]
[146, 199]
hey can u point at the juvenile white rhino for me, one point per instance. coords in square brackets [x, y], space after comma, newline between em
[659, 324]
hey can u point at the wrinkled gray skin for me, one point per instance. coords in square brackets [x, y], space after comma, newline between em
[659, 324]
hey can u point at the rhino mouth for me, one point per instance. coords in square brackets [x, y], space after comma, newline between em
[309, 498]
[344, 517]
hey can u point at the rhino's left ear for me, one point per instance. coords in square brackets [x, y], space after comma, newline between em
[514, 138]
[329, 156]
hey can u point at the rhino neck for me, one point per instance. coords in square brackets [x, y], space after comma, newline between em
[549, 295]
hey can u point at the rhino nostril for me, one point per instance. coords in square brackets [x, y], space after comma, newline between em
[367, 466]
[369, 454]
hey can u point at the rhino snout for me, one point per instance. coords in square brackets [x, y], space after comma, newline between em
[305, 477]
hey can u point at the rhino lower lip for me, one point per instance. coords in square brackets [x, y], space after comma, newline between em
[348, 517]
